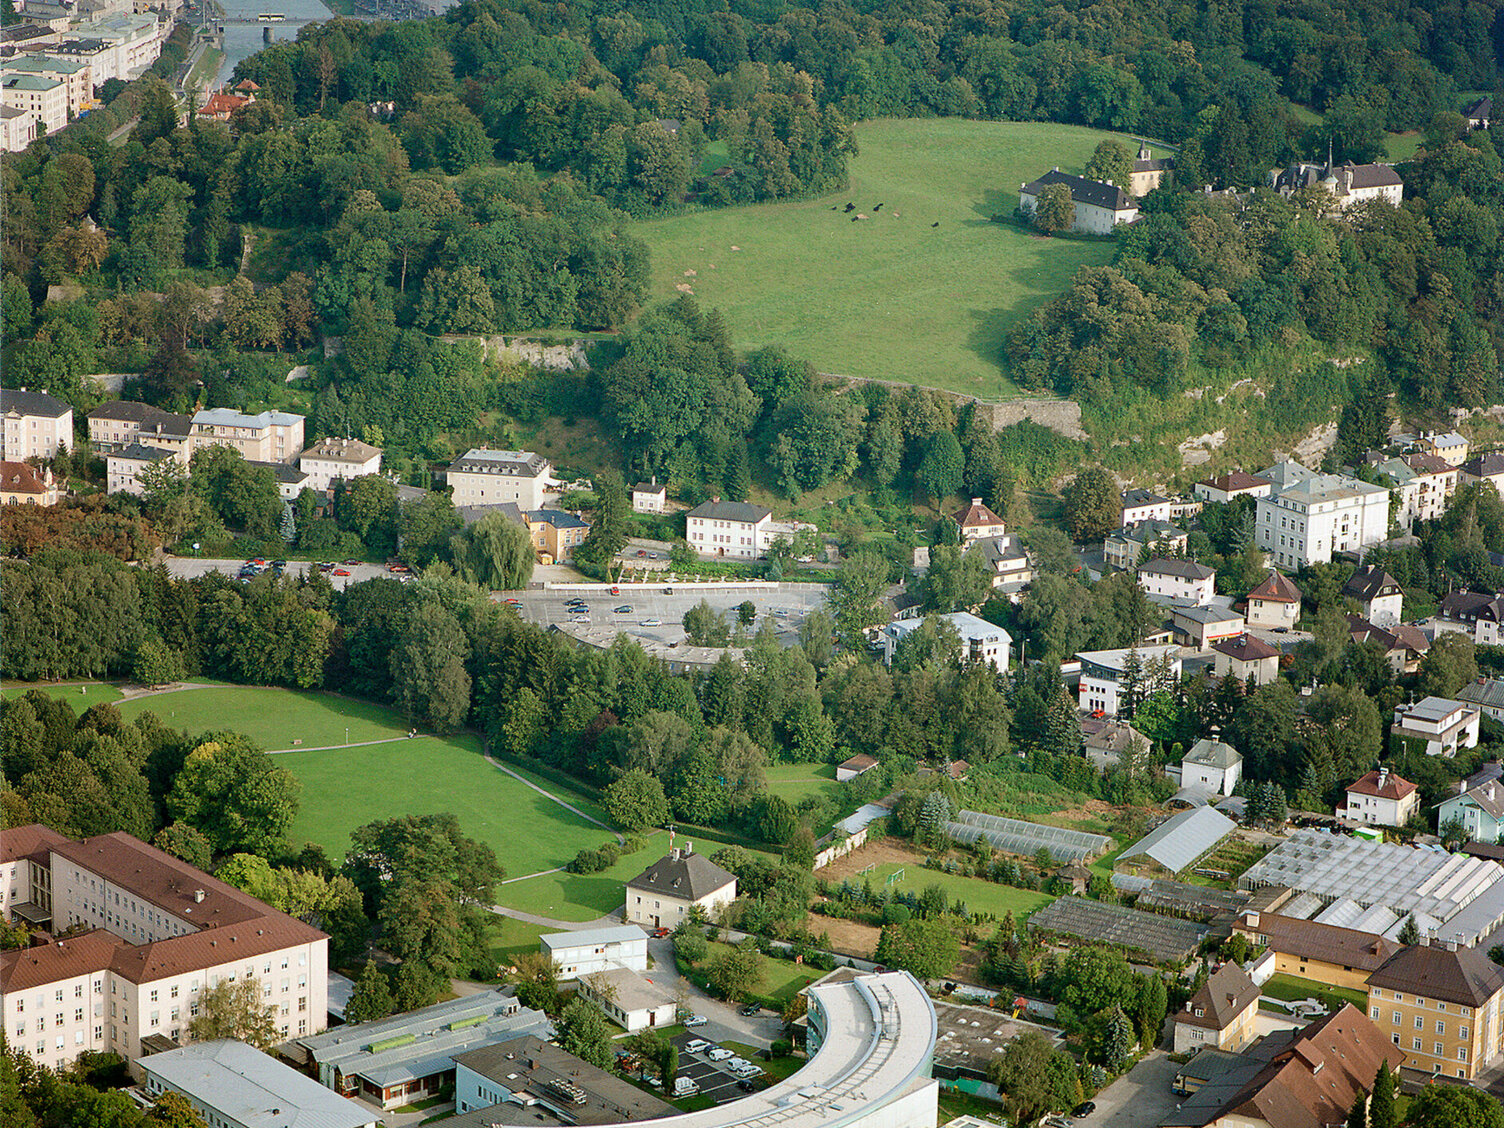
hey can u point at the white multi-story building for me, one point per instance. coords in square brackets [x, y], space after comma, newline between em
[329, 460]
[1274, 603]
[1144, 505]
[18, 129]
[649, 497]
[1479, 614]
[662, 895]
[1099, 207]
[977, 522]
[1104, 671]
[1348, 184]
[44, 97]
[1181, 580]
[76, 76]
[36, 425]
[1381, 798]
[135, 39]
[1423, 484]
[1438, 725]
[1310, 521]
[495, 477]
[1487, 468]
[589, 950]
[1211, 765]
[156, 933]
[737, 530]
[269, 436]
[981, 641]
[1219, 491]
[123, 467]
[1377, 593]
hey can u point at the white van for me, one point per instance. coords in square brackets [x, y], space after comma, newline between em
[719, 1053]
[685, 1087]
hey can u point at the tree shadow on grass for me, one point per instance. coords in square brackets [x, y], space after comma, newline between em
[987, 340]
[996, 201]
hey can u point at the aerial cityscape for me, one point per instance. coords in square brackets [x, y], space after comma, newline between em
[741, 565]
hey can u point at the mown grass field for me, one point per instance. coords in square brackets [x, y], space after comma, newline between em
[979, 895]
[79, 696]
[892, 296]
[274, 718]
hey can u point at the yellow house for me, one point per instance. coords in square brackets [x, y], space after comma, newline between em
[1341, 957]
[662, 895]
[1440, 1005]
[1221, 1015]
[555, 534]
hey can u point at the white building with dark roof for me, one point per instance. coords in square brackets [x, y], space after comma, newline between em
[981, 641]
[1436, 725]
[1483, 468]
[1144, 505]
[649, 497]
[482, 476]
[233, 1085]
[662, 895]
[1103, 673]
[1317, 517]
[36, 425]
[1377, 593]
[1227, 487]
[1211, 765]
[585, 951]
[1168, 578]
[1100, 207]
[735, 530]
[331, 459]
[1348, 184]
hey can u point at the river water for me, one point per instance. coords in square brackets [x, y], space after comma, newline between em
[244, 40]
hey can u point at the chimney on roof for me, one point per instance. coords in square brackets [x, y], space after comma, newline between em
[1383, 776]
[198, 896]
[976, 501]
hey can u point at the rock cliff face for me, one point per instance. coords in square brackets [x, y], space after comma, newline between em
[568, 357]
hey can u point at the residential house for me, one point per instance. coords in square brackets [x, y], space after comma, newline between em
[1125, 547]
[1381, 798]
[1440, 1005]
[42, 96]
[18, 129]
[482, 476]
[291, 481]
[1249, 659]
[737, 530]
[330, 460]
[1474, 613]
[1348, 184]
[141, 936]
[662, 895]
[1378, 593]
[1479, 112]
[36, 425]
[1143, 505]
[649, 497]
[854, 766]
[1103, 673]
[1211, 765]
[1100, 207]
[1487, 694]
[555, 534]
[123, 467]
[410, 1057]
[1227, 487]
[1484, 468]
[24, 484]
[1423, 484]
[1108, 743]
[1479, 807]
[1007, 562]
[118, 423]
[1199, 627]
[1149, 171]
[1274, 604]
[77, 78]
[1403, 645]
[528, 1080]
[977, 522]
[630, 999]
[234, 1085]
[1446, 445]
[589, 950]
[1181, 580]
[220, 105]
[1327, 953]
[1437, 725]
[268, 436]
[1305, 1078]
[1221, 1015]
[981, 641]
[1312, 520]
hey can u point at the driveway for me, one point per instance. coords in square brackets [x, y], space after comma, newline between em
[1138, 1099]
[760, 1030]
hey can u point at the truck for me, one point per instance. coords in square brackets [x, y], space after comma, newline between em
[685, 1087]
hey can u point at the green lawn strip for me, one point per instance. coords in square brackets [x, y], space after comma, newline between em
[577, 796]
[781, 979]
[1293, 989]
[510, 938]
[1402, 146]
[954, 1103]
[925, 289]
[419, 1106]
[980, 896]
[344, 788]
[777, 1069]
[79, 695]
[273, 718]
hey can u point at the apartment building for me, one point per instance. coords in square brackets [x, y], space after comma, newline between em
[1436, 725]
[1441, 1006]
[42, 96]
[329, 460]
[1178, 580]
[76, 77]
[483, 476]
[123, 467]
[555, 534]
[117, 424]
[1103, 673]
[1221, 1015]
[36, 424]
[1144, 505]
[156, 934]
[1423, 484]
[1312, 520]
[737, 530]
[18, 129]
[270, 436]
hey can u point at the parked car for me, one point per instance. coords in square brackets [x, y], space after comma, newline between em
[696, 1020]
[341, 571]
[624, 609]
[512, 602]
[685, 1087]
[697, 1045]
[351, 563]
[720, 1053]
[750, 1009]
[642, 552]
[326, 565]
[1085, 1108]
[746, 1086]
[739, 1065]
[652, 556]
[615, 590]
[651, 623]
[668, 591]
[660, 933]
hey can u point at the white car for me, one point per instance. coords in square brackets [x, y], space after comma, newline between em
[720, 1053]
[698, 1046]
[696, 1020]
[651, 623]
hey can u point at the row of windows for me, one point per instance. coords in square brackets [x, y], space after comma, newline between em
[1418, 1001]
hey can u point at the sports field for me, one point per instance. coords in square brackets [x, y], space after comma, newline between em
[273, 718]
[923, 289]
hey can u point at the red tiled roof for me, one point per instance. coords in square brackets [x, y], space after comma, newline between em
[178, 955]
[1466, 976]
[1245, 648]
[25, 968]
[18, 477]
[1277, 589]
[24, 841]
[1229, 483]
[859, 763]
[1394, 787]
[224, 104]
[1228, 993]
[976, 515]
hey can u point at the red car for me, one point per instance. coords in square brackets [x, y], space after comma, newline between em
[341, 571]
[660, 933]
[351, 563]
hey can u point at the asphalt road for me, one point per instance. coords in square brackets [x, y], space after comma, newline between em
[787, 606]
[1138, 1099]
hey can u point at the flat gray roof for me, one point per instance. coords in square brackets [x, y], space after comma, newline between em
[612, 934]
[241, 1083]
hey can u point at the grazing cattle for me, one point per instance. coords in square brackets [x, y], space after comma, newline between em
[850, 207]
[935, 224]
[855, 218]
[878, 208]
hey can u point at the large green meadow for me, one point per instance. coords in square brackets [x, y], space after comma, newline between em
[923, 290]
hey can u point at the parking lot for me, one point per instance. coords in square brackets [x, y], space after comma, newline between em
[658, 612]
[187, 567]
[715, 1082]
